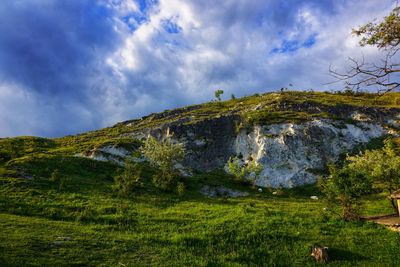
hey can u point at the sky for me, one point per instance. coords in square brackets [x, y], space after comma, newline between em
[67, 67]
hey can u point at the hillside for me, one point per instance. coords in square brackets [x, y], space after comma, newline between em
[292, 124]
[75, 218]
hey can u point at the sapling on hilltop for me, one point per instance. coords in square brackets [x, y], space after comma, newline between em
[218, 94]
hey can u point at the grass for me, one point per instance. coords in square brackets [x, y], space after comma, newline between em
[87, 224]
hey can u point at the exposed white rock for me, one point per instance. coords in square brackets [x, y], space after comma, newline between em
[183, 171]
[108, 153]
[114, 151]
[290, 152]
[200, 142]
[358, 116]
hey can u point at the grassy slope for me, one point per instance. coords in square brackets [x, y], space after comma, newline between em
[86, 224]
[242, 106]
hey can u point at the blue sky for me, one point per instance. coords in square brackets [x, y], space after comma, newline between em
[71, 66]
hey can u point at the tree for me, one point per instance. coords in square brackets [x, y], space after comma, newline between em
[218, 94]
[163, 155]
[129, 179]
[385, 36]
[382, 165]
[345, 186]
[244, 172]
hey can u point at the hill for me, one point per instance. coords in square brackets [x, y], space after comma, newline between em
[57, 206]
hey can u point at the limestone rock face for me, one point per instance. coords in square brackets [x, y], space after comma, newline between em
[292, 153]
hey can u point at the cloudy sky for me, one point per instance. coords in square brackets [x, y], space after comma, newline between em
[71, 66]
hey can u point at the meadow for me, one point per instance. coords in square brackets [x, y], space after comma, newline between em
[87, 224]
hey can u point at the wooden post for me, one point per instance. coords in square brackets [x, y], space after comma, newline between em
[398, 205]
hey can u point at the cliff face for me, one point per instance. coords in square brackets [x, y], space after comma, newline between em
[291, 152]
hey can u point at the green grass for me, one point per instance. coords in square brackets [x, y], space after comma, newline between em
[87, 224]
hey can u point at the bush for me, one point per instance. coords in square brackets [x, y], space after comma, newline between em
[129, 180]
[381, 165]
[244, 172]
[345, 186]
[163, 155]
[180, 188]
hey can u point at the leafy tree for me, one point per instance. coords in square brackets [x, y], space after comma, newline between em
[218, 94]
[382, 165]
[345, 186]
[129, 179]
[384, 35]
[244, 172]
[163, 155]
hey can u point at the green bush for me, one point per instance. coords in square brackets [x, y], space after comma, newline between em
[345, 186]
[244, 172]
[130, 178]
[180, 188]
[380, 165]
[163, 155]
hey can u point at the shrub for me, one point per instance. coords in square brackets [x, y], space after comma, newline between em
[163, 155]
[180, 188]
[129, 180]
[244, 172]
[345, 186]
[382, 166]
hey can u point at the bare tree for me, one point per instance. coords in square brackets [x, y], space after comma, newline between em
[385, 74]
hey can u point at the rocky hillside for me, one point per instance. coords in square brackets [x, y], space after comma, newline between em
[292, 134]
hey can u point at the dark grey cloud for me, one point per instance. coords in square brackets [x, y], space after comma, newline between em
[70, 66]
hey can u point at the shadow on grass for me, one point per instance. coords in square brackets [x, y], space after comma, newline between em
[338, 254]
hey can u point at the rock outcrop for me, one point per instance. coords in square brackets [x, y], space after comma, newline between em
[291, 153]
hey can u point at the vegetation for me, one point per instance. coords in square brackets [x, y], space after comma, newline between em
[372, 170]
[163, 155]
[244, 172]
[380, 165]
[218, 94]
[130, 178]
[346, 186]
[85, 223]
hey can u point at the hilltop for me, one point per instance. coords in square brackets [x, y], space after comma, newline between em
[75, 218]
[292, 124]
